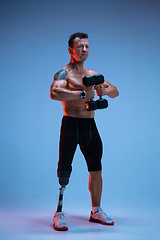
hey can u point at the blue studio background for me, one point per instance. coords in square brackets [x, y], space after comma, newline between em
[124, 39]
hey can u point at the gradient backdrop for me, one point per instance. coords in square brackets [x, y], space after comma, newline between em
[124, 39]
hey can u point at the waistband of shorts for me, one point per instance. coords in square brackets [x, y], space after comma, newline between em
[75, 119]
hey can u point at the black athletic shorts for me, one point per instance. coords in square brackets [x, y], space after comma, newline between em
[82, 131]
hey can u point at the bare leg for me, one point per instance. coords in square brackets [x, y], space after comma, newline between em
[95, 187]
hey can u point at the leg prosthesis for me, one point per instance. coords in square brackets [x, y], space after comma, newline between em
[63, 181]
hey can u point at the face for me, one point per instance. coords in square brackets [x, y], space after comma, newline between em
[80, 49]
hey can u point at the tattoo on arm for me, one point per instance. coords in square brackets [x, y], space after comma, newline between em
[61, 75]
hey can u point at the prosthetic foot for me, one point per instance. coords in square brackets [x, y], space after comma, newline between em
[59, 223]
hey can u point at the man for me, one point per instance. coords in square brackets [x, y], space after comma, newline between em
[78, 126]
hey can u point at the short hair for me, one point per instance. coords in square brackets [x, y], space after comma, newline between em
[74, 35]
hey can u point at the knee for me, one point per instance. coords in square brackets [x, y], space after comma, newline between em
[63, 177]
[95, 176]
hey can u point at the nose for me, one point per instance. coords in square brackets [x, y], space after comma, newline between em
[84, 48]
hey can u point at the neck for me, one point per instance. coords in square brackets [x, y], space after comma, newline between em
[77, 65]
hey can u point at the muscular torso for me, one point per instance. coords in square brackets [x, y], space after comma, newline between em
[76, 108]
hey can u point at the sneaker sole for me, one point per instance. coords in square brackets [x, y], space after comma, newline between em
[64, 228]
[93, 220]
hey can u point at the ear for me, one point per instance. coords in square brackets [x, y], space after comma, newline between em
[70, 50]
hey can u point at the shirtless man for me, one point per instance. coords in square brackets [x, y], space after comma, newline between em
[78, 126]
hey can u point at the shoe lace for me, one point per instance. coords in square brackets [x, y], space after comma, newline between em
[102, 215]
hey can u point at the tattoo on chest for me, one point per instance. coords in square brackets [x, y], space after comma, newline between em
[61, 75]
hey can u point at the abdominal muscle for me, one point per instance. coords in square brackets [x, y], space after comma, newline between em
[77, 109]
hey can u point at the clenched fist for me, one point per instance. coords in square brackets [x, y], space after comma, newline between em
[90, 92]
[100, 89]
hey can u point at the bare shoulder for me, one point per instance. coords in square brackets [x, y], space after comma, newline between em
[61, 74]
[60, 78]
[91, 72]
[106, 83]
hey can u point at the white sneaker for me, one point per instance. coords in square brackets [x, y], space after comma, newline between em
[101, 217]
[59, 223]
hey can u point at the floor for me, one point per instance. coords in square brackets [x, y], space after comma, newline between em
[29, 224]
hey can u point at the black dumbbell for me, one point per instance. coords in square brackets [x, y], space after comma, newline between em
[91, 105]
[90, 81]
[101, 102]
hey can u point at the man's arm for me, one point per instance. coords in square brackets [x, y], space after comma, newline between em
[107, 89]
[58, 90]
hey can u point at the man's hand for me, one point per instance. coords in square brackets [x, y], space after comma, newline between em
[90, 92]
[108, 89]
[100, 89]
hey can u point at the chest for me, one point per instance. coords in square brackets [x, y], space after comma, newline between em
[75, 80]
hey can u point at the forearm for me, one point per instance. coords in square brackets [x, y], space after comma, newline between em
[107, 89]
[63, 94]
[111, 92]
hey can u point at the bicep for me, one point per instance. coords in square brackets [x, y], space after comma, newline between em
[55, 88]
[59, 84]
